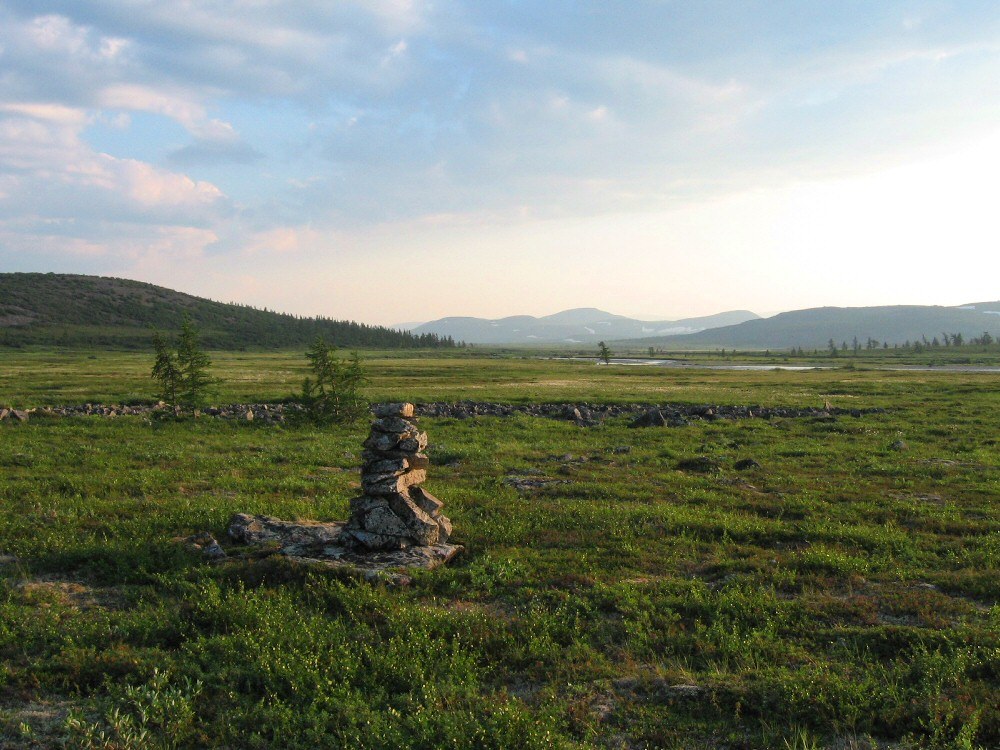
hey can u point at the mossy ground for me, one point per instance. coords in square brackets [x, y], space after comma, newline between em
[844, 594]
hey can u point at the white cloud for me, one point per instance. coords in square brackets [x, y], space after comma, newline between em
[42, 143]
[155, 188]
[598, 114]
[179, 105]
[396, 51]
[58, 34]
[283, 241]
[59, 198]
[55, 113]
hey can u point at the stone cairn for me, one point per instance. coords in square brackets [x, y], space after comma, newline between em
[394, 512]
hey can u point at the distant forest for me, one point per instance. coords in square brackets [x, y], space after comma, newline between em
[71, 310]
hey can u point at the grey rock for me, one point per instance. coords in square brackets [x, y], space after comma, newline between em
[376, 464]
[206, 544]
[389, 484]
[651, 418]
[684, 692]
[381, 441]
[414, 444]
[426, 501]
[378, 564]
[359, 538]
[444, 528]
[702, 464]
[411, 441]
[248, 529]
[395, 425]
[523, 484]
[404, 410]
[364, 503]
[381, 520]
[419, 524]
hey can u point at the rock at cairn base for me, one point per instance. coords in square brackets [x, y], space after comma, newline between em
[394, 512]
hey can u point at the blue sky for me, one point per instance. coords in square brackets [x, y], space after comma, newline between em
[400, 160]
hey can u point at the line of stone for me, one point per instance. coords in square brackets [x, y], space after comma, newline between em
[582, 414]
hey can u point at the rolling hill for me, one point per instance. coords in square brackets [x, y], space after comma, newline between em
[815, 327]
[72, 310]
[579, 326]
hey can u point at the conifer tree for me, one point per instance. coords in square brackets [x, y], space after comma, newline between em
[181, 370]
[333, 393]
[604, 353]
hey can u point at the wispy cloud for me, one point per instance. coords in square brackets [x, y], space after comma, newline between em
[218, 129]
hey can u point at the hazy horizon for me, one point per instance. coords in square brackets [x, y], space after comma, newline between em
[402, 160]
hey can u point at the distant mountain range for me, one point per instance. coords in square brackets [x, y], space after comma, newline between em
[585, 325]
[70, 310]
[73, 310]
[814, 328]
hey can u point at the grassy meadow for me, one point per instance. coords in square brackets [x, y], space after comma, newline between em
[843, 594]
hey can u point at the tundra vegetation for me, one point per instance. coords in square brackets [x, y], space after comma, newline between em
[842, 593]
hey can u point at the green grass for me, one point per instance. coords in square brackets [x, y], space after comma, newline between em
[51, 376]
[842, 595]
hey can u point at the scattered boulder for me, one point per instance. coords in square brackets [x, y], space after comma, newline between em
[206, 544]
[660, 689]
[745, 464]
[524, 484]
[701, 464]
[665, 418]
[899, 445]
[651, 418]
[684, 692]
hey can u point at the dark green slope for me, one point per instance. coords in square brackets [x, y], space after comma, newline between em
[71, 310]
[813, 328]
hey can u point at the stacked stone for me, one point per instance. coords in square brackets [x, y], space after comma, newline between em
[395, 512]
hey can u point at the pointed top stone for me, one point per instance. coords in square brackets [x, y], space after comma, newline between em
[404, 410]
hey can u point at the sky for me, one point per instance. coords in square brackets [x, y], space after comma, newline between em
[405, 160]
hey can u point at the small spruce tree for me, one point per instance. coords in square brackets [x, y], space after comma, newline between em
[333, 394]
[193, 364]
[165, 369]
[182, 370]
[604, 354]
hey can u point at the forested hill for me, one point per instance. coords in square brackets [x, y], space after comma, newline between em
[71, 310]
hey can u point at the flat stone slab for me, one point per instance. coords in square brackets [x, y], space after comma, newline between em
[315, 543]
[426, 558]
[267, 529]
